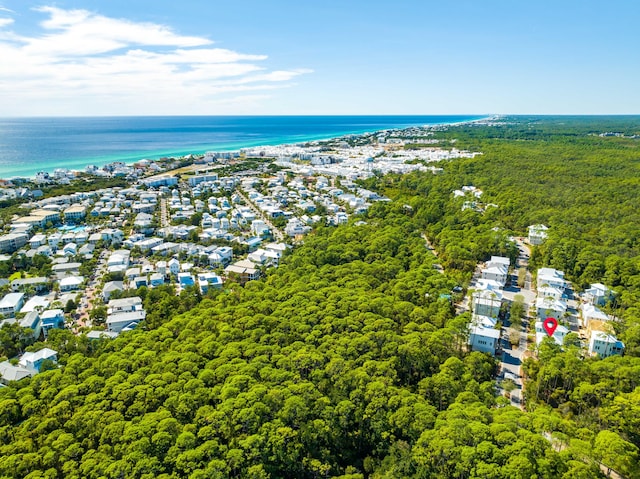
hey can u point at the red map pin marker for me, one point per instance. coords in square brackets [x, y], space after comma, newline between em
[550, 325]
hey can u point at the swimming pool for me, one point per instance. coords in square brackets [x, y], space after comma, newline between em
[72, 228]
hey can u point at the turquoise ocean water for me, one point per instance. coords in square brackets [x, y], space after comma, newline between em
[29, 145]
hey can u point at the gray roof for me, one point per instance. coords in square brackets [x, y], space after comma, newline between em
[113, 286]
[9, 372]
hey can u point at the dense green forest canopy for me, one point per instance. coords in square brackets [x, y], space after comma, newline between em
[557, 171]
[348, 359]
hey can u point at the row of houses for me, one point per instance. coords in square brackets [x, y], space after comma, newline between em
[486, 303]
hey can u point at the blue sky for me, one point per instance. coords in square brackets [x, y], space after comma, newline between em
[137, 57]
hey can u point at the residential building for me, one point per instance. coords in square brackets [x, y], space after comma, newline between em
[9, 372]
[549, 277]
[174, 266]
[157, 279]
[33, 361]
[558, 335]
[537, 234]
[605, 345]
[12, 242]
[486, 302]
[592, 313]
[32, 321]
[496, 272]
[484, 339]
[550, 308]
[125, 321]
[11, 304]
[209, 280]
[35, 303]
[75, 213]
[124, 305]
[51, 319]
[598, 294]
[36, 284]
[244, 270]
[37, 240]
[71, 283]
[110, 288]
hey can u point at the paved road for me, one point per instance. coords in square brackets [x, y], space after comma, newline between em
[89, 296]
[164, 216]
[277, 233]
[511, 361]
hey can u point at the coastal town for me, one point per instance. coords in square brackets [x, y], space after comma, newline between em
[83, 261]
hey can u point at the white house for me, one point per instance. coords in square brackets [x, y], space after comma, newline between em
[161, 267]
[604, 345]
[37, 240]
[278, 248]
[550, 308]
[156, 279]
[537, 234]
[32, 321]
[124, 321]
[209, 280]
[558, 335]
[598, 294]
[9, 372]
[225, 252]
[549, 277]
[496, 272]
[550, 292]
[174, 266]
[71, 283]
[111, 287]
[486, 302]
[35, 303]
[11, 304]
[592, 313]
[483, 339]
[124, 305]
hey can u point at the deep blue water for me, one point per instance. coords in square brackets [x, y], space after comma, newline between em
[29, 145]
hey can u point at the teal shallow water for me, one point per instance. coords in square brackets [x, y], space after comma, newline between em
[29, 145]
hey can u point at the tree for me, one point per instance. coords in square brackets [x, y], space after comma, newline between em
[70, 306]
[616, 453]
[98, 314]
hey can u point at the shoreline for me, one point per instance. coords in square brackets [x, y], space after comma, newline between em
[79, 165]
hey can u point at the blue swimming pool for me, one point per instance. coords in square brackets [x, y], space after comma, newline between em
[72, 228]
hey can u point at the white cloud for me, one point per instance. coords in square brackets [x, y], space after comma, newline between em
[85, 63]
[5, 21]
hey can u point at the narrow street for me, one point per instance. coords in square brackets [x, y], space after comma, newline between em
[511, 361]
[89, 297]
[164, 216]
[276, 232]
